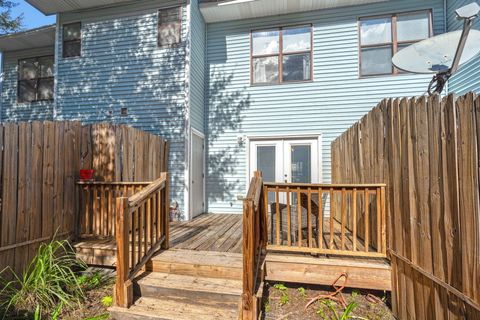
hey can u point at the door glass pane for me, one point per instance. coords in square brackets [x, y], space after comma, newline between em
[296, 39]
[301, 164]
[412, 26]
[376, 61]
[296, 67]
[265, 42]
[266, 162]
[376, 31]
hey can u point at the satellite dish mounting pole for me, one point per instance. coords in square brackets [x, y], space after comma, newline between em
[468, 13]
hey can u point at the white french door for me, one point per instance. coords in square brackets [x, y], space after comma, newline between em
[286, 160]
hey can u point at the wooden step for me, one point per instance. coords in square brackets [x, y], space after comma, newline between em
[224, 265]
[179, 287]
[168, 309]
[366, 273]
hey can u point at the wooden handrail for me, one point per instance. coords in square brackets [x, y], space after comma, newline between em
[142, 223]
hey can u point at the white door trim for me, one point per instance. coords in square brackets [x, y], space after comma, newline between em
[201, 135]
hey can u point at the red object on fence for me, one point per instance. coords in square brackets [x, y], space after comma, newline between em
[86, 175]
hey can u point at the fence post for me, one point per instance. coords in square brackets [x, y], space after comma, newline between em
[123, 286]
[166, 217]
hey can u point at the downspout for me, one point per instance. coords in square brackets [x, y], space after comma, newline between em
[56, 57]
[445, 29]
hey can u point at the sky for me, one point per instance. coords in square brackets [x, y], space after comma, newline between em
[32, 17]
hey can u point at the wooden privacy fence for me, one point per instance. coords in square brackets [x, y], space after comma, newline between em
[39, 166]
[299, 223]
[427, 152]
[142, 227]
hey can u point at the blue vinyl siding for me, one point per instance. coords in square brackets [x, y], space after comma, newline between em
[329, 105]
[468, 77]
[197, 68]
[122, 66]
[11, 109]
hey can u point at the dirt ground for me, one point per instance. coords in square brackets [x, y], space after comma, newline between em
[288, 301]
[96, 301]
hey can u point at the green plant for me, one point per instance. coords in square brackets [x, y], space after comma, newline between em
[90, 281]
[302, 291]
[345, 314]
[107, 301]
[105, 316]
[47, 284]
[268, 308]
[355, 293]
[284, 299]
[280, 286]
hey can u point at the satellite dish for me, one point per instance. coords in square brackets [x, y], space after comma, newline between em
[437, 55]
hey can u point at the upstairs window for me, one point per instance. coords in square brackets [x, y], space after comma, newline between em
[169, 27]
[72, 40]
[281, 55]
[381, 37]
[35, 79]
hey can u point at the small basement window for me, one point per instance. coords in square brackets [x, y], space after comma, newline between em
[35, 79]
[383, 36]
[281, 55]
[169, 27]
[72, 40]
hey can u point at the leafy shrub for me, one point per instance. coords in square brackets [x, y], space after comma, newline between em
[48, 283]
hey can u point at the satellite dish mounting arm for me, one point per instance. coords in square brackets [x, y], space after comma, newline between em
[468, 13]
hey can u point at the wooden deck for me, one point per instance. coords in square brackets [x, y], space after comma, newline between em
[198, 247]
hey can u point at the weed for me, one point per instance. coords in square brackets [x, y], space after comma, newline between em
[107, 301]
[284, 299]
[355, 293]
[48, 282]
[346, 314]
[280, 286]
[268, 308]
[105, 316]
[302, 291]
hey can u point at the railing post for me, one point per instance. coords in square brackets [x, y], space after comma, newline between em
[248, 308]
[166, 216]
[123, 286]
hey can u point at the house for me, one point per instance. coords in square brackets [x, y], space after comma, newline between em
[235, 86]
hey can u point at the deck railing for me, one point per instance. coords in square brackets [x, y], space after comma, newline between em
[255, 237]
[347, 220]
[142, 228]
[97, 206]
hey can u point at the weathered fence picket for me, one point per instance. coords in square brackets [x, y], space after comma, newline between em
[426, 151]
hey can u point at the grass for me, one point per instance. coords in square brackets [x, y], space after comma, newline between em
[49, 283]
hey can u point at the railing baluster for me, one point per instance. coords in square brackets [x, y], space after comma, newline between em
[138, 213]
[132, 237]
[332, 213]
[299, 217]
[88, 212]
[343, 217]
[277, 215]
[96, 218]
[379, 221]
[309, 217]
[320, 218]
[145, 228]
[354, 214]
[384, 221]
[289, 218]
[367, 222]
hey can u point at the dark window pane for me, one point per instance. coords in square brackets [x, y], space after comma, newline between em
[45, 89]
[72, 31]
[72, 49]
[301, 164]
[296, 67]
[169, 27]
[376, 60]
[26, 90]
[27, 69]
[169, 15]
[46, 66]
[265, 70]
